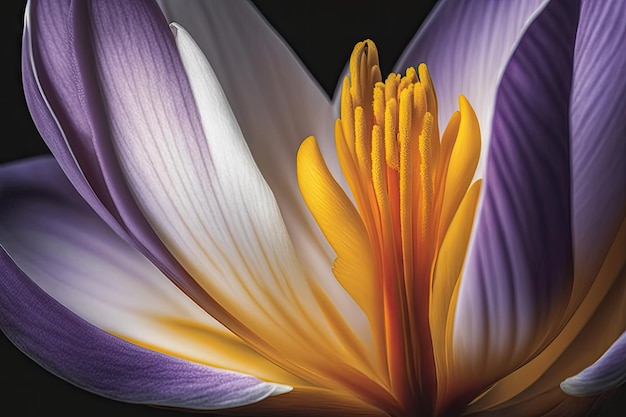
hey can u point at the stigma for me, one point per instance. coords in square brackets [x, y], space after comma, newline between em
[410, 212]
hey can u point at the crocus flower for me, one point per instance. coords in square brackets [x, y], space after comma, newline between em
[162, 258]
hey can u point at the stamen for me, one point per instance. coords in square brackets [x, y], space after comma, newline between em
[408, 188]
[362, 141]
[391, 87]
[376, 76]
[378, 172]
[379, 104]
[391, 129]
[420, 104]
[426, 182]
[347, 114]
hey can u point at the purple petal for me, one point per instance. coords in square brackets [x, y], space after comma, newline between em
[606, 373]
[204, 195]
[148, 137]
[518, 271]
[62, 82]
[94, 360]
[467, 45]
[47, 122]
[69, 346]
[211, 206]
[51, 66]
[598, 134]
[55, 238]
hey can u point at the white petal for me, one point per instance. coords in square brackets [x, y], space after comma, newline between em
[197, 184]
[277, 104]
[70, 253]
[203, 84]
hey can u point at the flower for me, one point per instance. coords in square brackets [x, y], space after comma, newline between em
[138, 123]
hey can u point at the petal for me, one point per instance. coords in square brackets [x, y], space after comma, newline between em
[598, 135]
[606, 373]
[518, 271]
[556, 404]
[94, 360]
[54, 237]
[595, 325]
[37, 92]
[446, 274]
[277, 104]
[339, 220]
[66, 344]
[200, 189]
[598, 201]
[57, 91]
[467, 46]
[152, 148]
[71, 116]
[241, 45]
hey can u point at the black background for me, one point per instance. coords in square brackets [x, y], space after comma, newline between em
[322, 33]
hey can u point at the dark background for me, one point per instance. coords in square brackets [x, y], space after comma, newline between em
[322, 33]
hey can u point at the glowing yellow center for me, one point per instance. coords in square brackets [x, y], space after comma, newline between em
[400, 250]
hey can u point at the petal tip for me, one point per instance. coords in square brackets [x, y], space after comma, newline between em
[175, 27]
[571, 387]
[279, 389]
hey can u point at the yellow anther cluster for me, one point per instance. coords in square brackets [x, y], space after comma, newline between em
[388, 144]
[400, 251]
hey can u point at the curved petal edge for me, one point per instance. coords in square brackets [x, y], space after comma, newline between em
[517, 276]
[98, 362]
[606, 373]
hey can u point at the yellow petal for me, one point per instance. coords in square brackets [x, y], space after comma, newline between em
[463, 159]
[214, 346]
[342, 226]
[446, 274]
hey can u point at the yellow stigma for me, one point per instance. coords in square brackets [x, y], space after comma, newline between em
[400, 251]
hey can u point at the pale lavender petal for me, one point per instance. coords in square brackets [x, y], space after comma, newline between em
[94, 360]
[277, 104]
[519, 267]
[71, 112]
[63, 342]
[209, 205]
[607, 373]
[598, 133]
[466, 45]
[207, 200]
[255, 67]
[55, 238]
[228, 153]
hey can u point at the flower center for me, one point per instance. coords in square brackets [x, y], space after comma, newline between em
[414, 210]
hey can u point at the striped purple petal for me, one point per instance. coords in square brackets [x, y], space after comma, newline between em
[62, 83]
[64, 343]
[608, 372]
[598, 134]
[98, 362]
[467, 45]
[518, 272]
